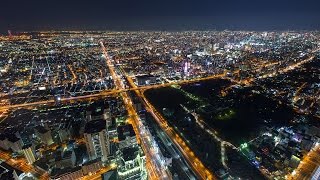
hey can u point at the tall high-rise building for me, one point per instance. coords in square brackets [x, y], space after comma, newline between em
[44, 133]
[126, 136]
[29, 153]
[99, 111]
[97, 139]
[131, 163]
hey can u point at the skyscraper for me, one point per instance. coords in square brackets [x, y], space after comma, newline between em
[97, 139]
[126, 136]
[29, 153]
[44, 134]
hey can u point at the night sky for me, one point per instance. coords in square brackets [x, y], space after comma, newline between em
[18, 15]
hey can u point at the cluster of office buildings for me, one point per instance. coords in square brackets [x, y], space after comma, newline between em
[97, 141]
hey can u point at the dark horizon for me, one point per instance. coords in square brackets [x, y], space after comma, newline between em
[127, 15]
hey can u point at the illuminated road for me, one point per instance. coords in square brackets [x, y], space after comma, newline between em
[3, 115]
[296, 94]
[22, 165]
[307, 165]
[155, 168]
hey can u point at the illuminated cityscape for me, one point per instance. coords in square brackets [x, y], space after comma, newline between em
[160, 105]
[160, 90]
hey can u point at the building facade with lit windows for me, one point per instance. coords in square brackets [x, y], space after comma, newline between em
[131, 164]
[316, 174]
[97, 140]
[29, 153]
[44, 134]
[98, 111]
[126, 136]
